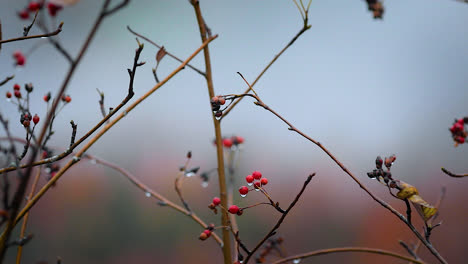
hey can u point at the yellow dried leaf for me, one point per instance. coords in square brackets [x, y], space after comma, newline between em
[425, 210]
[407, 190]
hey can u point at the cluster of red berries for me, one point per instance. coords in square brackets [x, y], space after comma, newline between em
[254, 179]
[207, 232]
[19, 57]
[34, 6]
[458, 130]
[376, 7]
[233, 209]
[232, 141]
[26, 118]
[216, 103]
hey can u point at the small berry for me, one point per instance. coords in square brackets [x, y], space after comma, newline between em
[26, 123]
[19, 58]
[66, 98]
[214, 100]
[203, 236]
[17, 94]
[243, 190]
[8, 94]
[239, 140]
[36, 119]
[257, 175]
[53, 9]
[240, 212]
[233, 209]
[216, 201]
[28, 87]
[227, 142]
[457, 127]
[221, 100]
[33, 6]
[460, 140]
[219, 113]
[257, 184]
[264, 181]
[47, 97]
[16, 87]
[23, 14]
[249, 178]
[207, 232]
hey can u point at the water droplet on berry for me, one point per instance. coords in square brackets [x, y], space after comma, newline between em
[243, 195]
[250, 183]
[47, 170]
[204, 184]
[8, 99]
[257, 189]
[148, 194]
[296, 261]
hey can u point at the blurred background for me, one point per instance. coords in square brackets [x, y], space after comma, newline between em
[362, 87]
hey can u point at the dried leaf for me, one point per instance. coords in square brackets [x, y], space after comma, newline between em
[161, 53]
[425, 210]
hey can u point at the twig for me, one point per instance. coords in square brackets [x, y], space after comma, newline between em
[410, 251]
[451, 174]
[347, 249]
[81, 152]
[291, 42]
[178, 190]
[7, 79]
[74, 127]
[57, 31]
[280, 221]
[408, 211]
[28, 28]
[153, 193]
[167, 52]
[101, 103]
[374, 197]
[217, 127]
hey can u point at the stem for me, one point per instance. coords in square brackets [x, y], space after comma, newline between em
[217, 128]
[451, 174]
[347, 249]
[57, 31]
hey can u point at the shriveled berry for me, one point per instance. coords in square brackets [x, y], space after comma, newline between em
[249, 178]
[8, 94]
[35, 119]
[243, 190]
[264, 181]
[216, 201]
[227, 142]
[16, 87]
[240, 212]
[257, 175]
[233, 209]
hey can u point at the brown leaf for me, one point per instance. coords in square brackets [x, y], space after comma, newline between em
[161, 53]
[424, 209]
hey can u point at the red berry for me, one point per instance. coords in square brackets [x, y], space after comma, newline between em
[53, 8]
[8, 95]
[249, 178]
[460, 140]
[227, 142]
[457, 127]
[26, 123]
[33, 6]
[67, 99]
[17, 94]
[23, 14]
[219, 113]
[239, 140]
[257, 175]
[221, 100]
[47, 97]
[216, 201]
[264, 181]
[233, 209]
[16, 87]
[207, 232]
[203, 236]
[257, 184]
[461, 121]
[36, 119]
[243, 190]
[20, 60]
[215, 100]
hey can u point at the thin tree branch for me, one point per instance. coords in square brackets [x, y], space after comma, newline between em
[217, 127]
[167, 52]
[410, 251]
[57, 31]
[7, 79]
[280, 221]
[28, 28]
[347, 249]
[451, 174]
